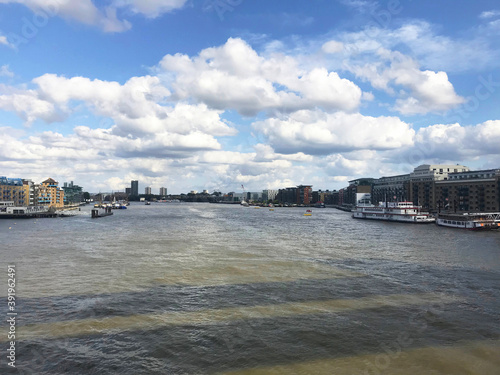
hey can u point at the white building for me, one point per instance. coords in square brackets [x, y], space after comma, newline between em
[435, 172]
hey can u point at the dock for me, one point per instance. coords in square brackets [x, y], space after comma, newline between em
[96, 214]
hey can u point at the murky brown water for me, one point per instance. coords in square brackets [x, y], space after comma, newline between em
[205, 289]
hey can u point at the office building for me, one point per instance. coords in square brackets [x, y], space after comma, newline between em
[134, 188]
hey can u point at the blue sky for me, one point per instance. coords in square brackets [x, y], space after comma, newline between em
[214, 94]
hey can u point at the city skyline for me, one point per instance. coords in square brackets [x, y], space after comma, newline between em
[218, 94]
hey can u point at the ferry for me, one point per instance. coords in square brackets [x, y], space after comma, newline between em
[404, 212]
[472, 221]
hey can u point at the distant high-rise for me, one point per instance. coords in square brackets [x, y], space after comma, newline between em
[134, 188]
[163, 191]
[147, 191]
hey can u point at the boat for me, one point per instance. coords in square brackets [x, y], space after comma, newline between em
[148, 203]
[308, 213]
[403, 212]
[470, 220]
[244, 203]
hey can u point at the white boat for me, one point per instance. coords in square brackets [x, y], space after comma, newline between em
[472, 221]
[404, 212]
[244, 203]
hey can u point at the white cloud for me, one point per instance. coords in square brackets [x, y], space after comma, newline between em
[138, 107]
[427, 91]
[86, 12]
[333, 46]
[4, 41]
[490, 14]
[29, 107]
[150, 8]
[454, 141]
[5, 71]
[421, 41]
[316, 132]
[235, 76]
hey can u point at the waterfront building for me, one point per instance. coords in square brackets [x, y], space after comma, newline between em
[301, 194]
[13, 189]
[358, 191]
[30, 192]
[304, 194]
[391, 189]
[469, 191]
[287, 195]
[134, 188]
[72, 193]
[269, 195]
[147, 190]
[50, 194]
[163, 191]
[422, 182]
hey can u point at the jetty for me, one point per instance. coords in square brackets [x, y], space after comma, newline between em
[95, 213]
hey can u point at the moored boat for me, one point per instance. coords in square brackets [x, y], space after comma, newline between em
[403, 212]
[470, 220]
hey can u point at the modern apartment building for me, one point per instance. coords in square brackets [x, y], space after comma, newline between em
[393, 188]
[50, 194]
[72, 193]
[147, 190]
[475, 191]
[163, 191]
[422, 182]
[13, 190]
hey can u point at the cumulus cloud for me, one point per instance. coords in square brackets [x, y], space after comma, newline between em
[316, 132]
[236, 76]
[456, 141]
[425, 91]
[138, 107]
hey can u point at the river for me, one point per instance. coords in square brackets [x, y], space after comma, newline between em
[196, 288]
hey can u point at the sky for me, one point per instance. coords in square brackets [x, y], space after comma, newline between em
[216, 94]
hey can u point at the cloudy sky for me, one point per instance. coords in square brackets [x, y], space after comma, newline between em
[213, 94]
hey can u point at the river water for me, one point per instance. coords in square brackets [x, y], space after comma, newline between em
[180, 288]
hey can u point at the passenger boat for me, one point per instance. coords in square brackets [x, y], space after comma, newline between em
[472, 221]
[403, 212]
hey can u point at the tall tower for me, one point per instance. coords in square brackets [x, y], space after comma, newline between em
[134, 188]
